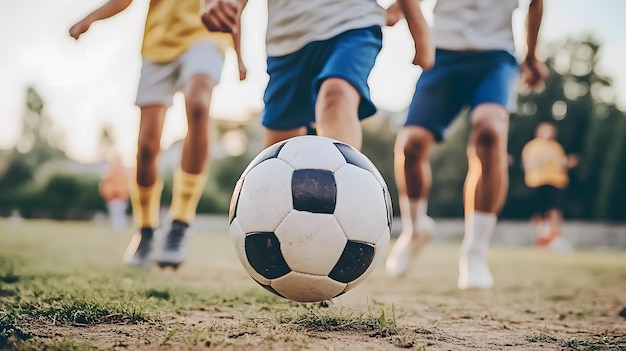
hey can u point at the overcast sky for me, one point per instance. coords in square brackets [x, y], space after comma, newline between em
[92, 82]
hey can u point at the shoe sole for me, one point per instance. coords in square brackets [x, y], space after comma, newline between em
[173, 265]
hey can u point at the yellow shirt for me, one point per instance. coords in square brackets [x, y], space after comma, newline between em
[173, 26]
[545, 163]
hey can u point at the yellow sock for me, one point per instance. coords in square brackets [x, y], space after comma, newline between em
[146, 201]
[186, 193]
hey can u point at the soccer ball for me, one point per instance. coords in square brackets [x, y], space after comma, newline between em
[310, 217]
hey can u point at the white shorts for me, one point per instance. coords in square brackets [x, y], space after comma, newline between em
[160, 81]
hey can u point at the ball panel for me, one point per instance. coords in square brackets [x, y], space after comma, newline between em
[379, 255]
[354, 261]
[264, 255]
[389, 207]
[239, 239]
[313, 190]
[234, 201]
[312, 151]
[361, 210]
[269, 288]
[356, 158]
[265, 197]
[307, 288]
[311, 243]
[269, 153]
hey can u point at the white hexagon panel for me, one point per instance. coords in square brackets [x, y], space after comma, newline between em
[265, 196]
[312, 152]
[311, 243]
[361, 207]
[307, 288]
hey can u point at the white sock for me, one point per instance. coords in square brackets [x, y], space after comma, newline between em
[479, 227]
[417, 210]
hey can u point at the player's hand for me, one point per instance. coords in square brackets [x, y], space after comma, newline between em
[572, 161]
[79, 28]
[394, 14]
[424, 55]
[243, 71]
[221, 15]
[534, 72]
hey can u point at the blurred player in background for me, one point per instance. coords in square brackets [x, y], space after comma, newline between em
[179, 54]
[545, 171]
[475, 67]
[114, 191]
[320, 54]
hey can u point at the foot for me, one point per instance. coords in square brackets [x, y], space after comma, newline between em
[138, 253]
[474, 272]
[407, 246]
[173, 248]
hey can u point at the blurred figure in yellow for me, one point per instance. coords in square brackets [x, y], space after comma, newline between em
[179, 54]
[114, 191]
[546, 166]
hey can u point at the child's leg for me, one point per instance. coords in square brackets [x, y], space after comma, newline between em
[336, 112]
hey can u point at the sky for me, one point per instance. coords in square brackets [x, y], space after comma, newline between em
[92, 82]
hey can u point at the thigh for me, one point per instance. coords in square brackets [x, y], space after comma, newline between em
[287, 97]
[157, 83]
[151, 125]
[497, 84]
[202, 59]
[440, 94]
[350, 56]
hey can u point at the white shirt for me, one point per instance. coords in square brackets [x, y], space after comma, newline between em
[293, 24]
[474, 24]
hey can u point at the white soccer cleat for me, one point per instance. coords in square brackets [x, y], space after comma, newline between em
[474, 272]
[139, 250]
[407, 246]
[173, 248]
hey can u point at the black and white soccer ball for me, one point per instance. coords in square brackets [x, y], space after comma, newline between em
[310, 217]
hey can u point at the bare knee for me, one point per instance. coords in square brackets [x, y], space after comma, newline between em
[490, 124]
[198, 98]
[147, 150]
[337, 93]
[415, 143]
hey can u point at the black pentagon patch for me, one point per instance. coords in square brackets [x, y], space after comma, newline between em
[314, 190]
[234, 201]
[264, 255]
[354, 157]
[356, 258]
[269, 288]
[269, 153]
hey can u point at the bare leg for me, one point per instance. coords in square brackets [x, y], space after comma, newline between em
[196, 145]
[484, 192]
[274, 136]
[149, 143]
[336, 112]
[413, 178]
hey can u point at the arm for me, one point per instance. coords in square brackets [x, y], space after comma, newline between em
[111, 8]
[424, 50]
[533, 71]
[222, 15]
[243, 71]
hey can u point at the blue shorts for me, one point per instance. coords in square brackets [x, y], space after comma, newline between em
[459, 79]
[295, 78]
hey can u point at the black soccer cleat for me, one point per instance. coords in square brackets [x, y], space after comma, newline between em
[139, 251]
[173, 249]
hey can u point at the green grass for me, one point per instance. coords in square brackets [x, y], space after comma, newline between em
[63, 287]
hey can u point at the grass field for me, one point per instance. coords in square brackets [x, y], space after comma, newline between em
[63, 287]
